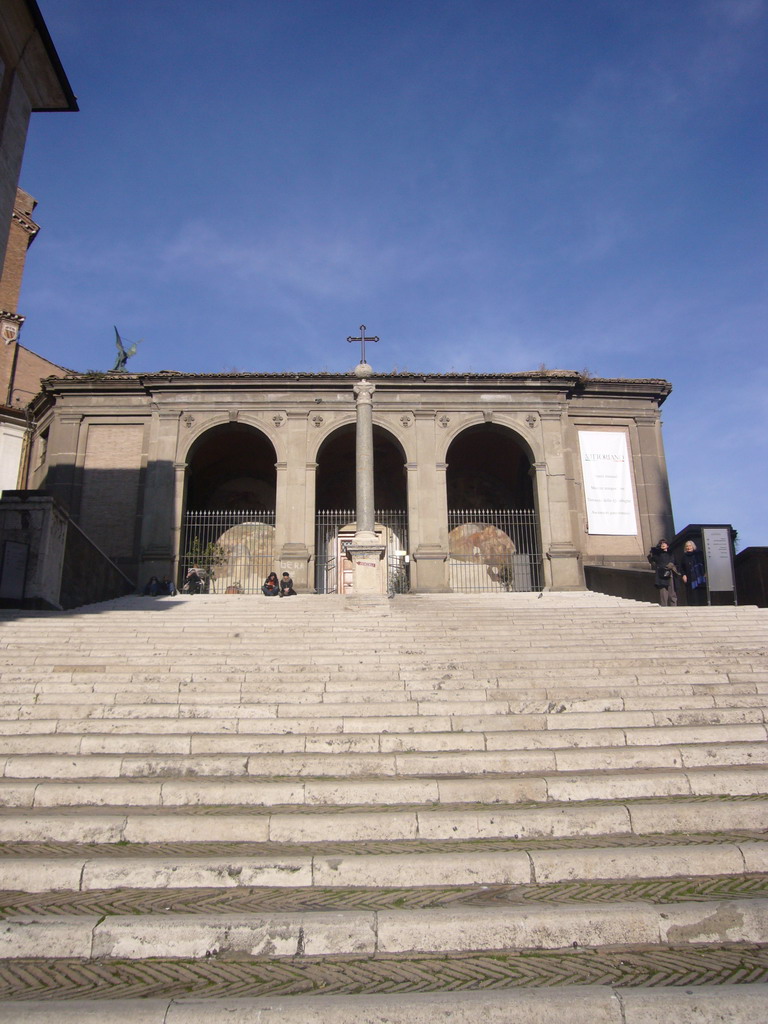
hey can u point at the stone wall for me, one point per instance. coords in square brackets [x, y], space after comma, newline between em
[88, 576]
[46, 561]
[636, 584]
[751, 566]
[116, 450]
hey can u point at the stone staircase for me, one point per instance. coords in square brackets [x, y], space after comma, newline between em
[435, 808]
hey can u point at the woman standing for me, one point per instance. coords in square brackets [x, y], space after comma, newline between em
[692, 565]
[665, 570]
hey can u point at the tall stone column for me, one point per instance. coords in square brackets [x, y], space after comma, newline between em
[364, 461]
[366, 551]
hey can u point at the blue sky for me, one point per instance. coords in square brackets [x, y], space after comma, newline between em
[489, 185]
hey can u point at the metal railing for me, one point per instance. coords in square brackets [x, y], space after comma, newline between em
[489, 549]
[334, 530]
[233, 549]
[494, 550]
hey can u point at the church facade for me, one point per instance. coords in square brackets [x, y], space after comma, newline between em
[511, 481]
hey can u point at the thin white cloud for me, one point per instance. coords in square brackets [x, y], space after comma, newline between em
[310, 262]
[325, 267]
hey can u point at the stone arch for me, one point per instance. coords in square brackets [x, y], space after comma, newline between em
[335, 493]
[320, 439]
[489, 466]
[494, 538]
[335, 479]
[231, 465]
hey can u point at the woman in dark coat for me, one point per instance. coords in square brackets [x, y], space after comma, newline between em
[271, 587]
[665, 571]
[692, 567]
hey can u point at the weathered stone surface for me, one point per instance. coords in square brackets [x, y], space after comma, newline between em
[577, 791]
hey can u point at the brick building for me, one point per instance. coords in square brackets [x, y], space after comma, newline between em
[31, 79]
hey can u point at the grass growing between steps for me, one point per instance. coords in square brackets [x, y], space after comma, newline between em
[331, 976]
[243, 900]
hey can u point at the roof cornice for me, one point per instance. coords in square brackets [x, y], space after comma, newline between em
[565, 383]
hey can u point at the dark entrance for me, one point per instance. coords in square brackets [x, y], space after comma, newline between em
[493, 537]
[229, 520]
[335, 503]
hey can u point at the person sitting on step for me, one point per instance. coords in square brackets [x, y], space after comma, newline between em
[195, 580]
[271, 586]
[286, 586]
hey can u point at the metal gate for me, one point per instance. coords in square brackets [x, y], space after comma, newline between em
[233, 549]
[331, 525]
[494, 550]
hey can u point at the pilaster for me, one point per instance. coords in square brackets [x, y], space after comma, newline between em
[428, 511]
[293, 524]
[651, 481]
[563, 566]
[62, 477]
[158, 513]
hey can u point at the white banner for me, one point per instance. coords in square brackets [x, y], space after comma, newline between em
[607, 476]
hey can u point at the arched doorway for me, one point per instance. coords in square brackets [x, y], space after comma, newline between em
[229, 516]
[335, 505]
[493, 530]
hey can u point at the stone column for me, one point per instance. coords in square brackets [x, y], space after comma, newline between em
[364, 461]
[366, 551]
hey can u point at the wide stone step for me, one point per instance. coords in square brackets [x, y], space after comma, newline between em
[736, 1004]
[584, 714]
[349, 764]
[552, 699]
[197, 743]
[525, 693]
[518, 865]
[320, 824]
[460, 929]
[482, 786]
[182, 662]
[395, 733]
[599, 784]
[127, 719]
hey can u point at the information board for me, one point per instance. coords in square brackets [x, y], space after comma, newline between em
[718, 555]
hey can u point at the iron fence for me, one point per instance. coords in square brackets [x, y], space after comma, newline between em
[494, 550]
[233, 549]
[335, 530]
[489, 549]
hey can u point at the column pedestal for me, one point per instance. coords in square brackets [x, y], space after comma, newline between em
[429, 561]
[366, 552]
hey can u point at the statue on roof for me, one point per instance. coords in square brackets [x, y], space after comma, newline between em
[123, 353]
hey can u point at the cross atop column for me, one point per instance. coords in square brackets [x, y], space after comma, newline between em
[362, 339]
